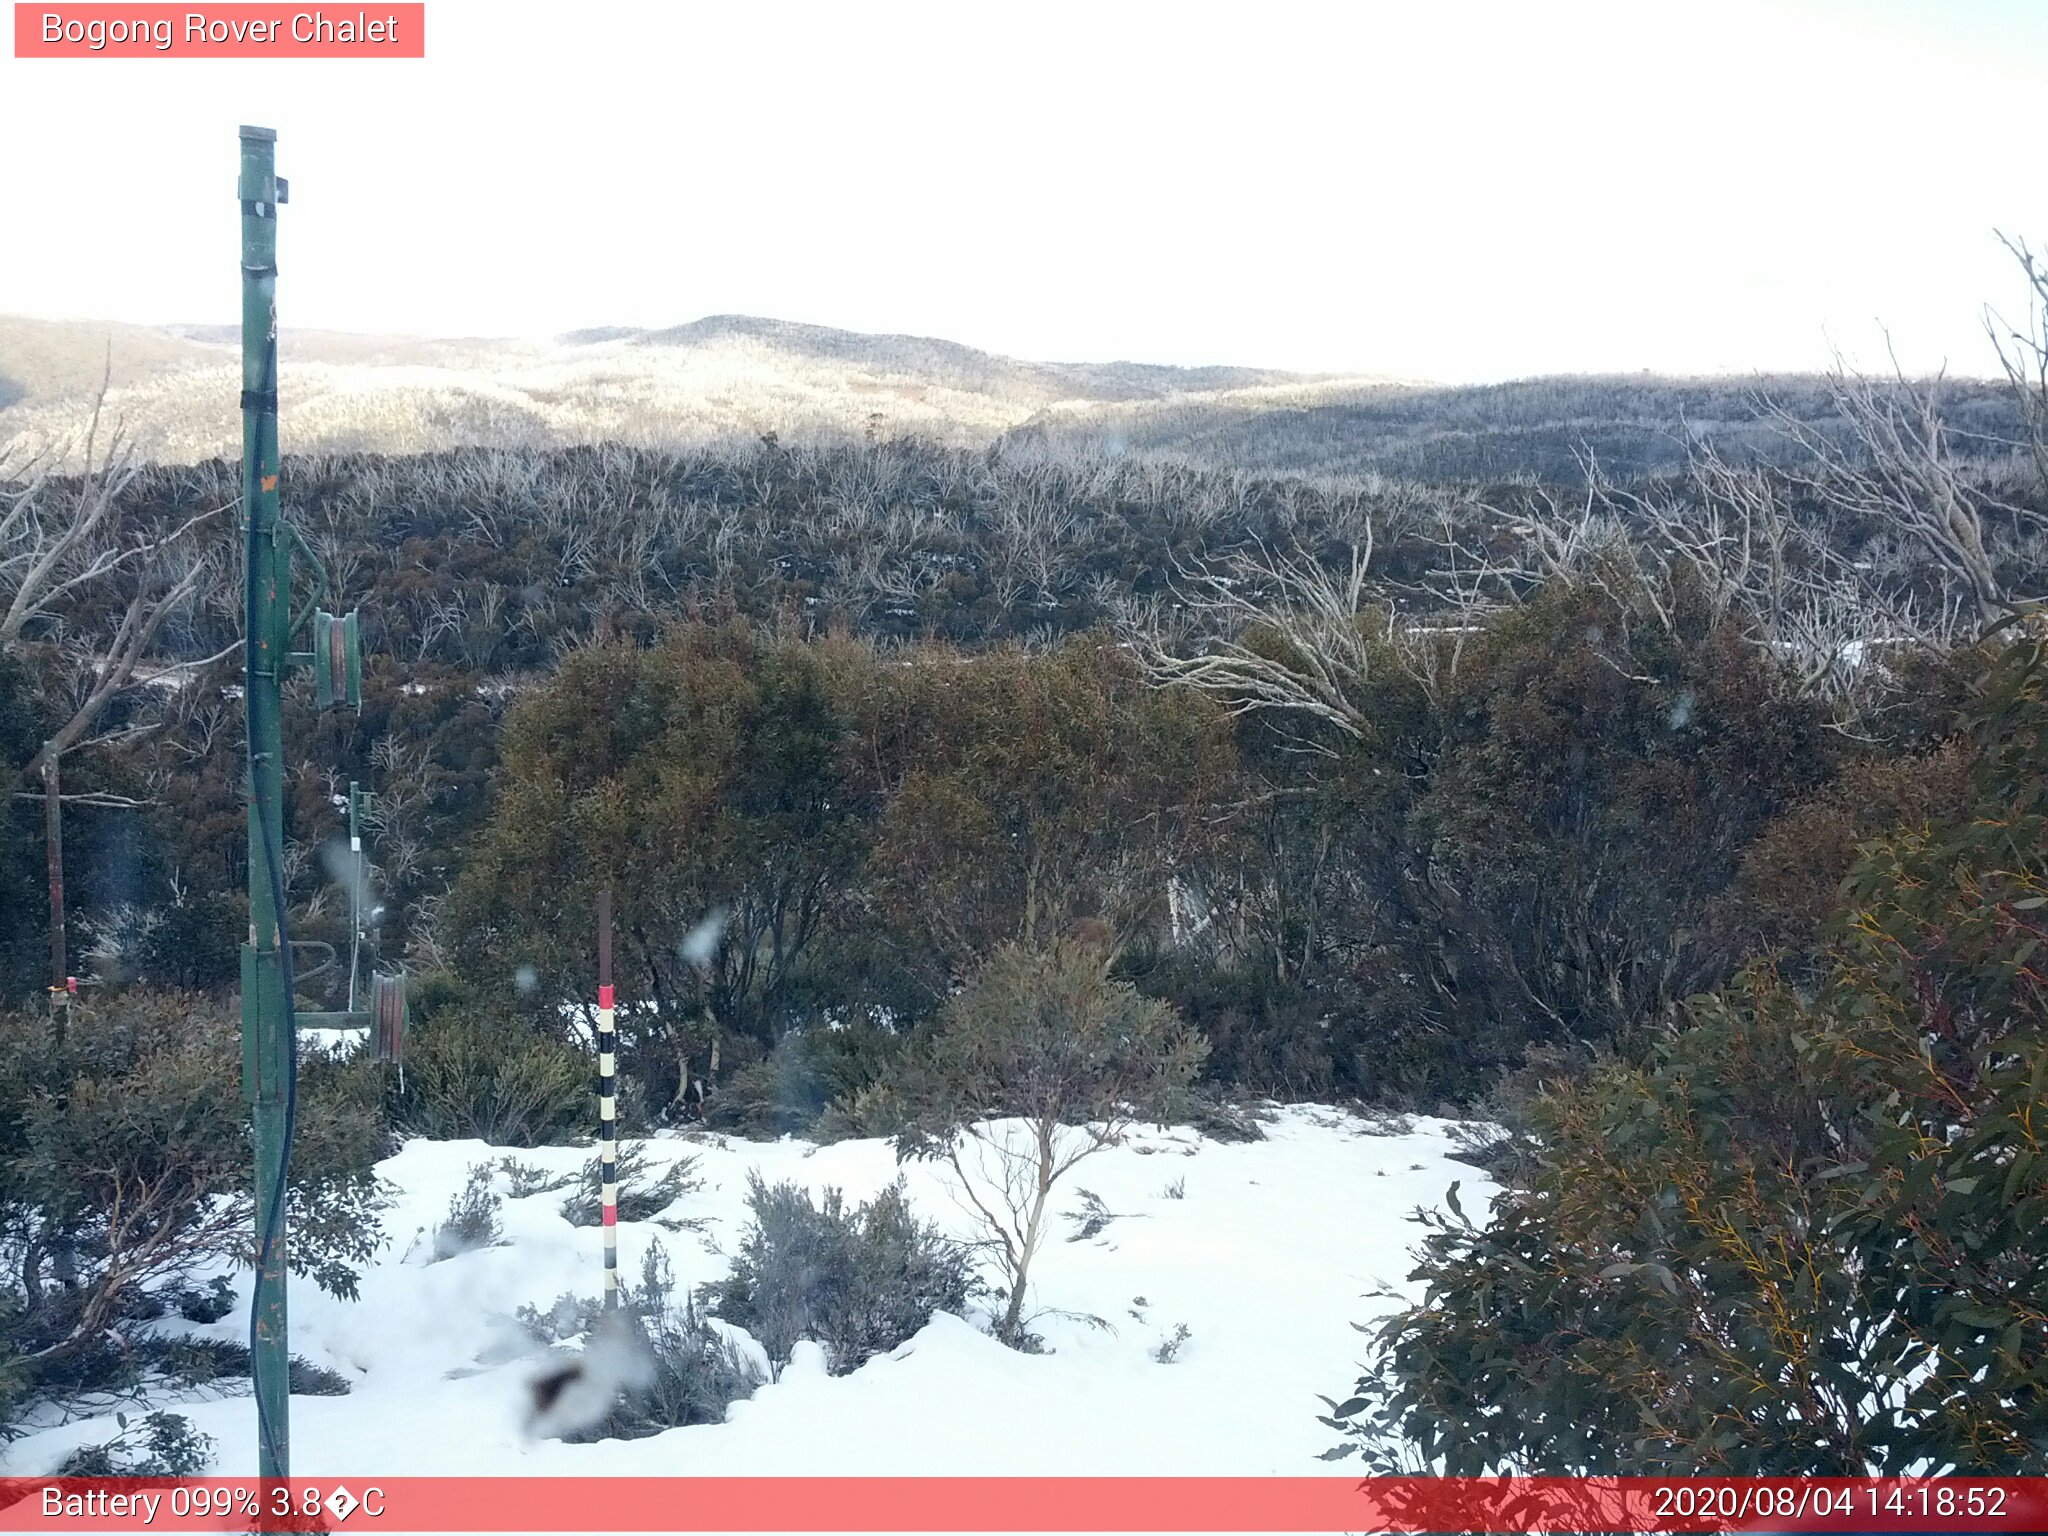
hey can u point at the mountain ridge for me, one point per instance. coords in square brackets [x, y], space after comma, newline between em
[714, 376]
[723, 377]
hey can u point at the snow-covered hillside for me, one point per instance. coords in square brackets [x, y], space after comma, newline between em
[1265, 1252]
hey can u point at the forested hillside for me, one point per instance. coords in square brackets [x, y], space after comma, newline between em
[1085, 584]
[1544, 429]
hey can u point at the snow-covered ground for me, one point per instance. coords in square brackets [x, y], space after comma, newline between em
[1266, 1255]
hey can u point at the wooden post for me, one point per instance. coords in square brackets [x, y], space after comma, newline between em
[53, 845]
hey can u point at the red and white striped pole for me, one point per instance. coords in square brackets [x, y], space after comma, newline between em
[607, 1101]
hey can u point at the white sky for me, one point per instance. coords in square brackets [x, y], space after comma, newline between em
[1415, 187]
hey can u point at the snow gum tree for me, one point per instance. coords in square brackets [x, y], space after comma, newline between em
[1043, 1060]
[708, 775]
[1803, 1236]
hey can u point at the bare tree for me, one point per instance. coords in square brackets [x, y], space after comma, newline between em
[2023, 352]
[1721, 544]
[1899, 467]
[1728, 540]
[62, 546]
[1285, 634]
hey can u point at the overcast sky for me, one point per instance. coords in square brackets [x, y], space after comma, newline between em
[1431, 190]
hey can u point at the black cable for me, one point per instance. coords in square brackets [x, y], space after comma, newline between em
[272, 1233]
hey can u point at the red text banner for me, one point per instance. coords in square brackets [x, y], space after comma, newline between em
[1062, 1504]
[376, 31]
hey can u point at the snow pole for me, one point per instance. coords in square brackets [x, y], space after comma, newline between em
[607, 1101]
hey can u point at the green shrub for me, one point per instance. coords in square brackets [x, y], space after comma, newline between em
[660, 1365]
[17, 1379]
[524, 1179]
[1804, 1235]
[201, 1362]
[124, 1172]
[162, 1445]
[1222, 1121]
[858, 1282]
[496, 1080]
[1053, 1039]
[472, 1218]
[879, 1109]
[696, 1372]
[791, 1089]
[640, 1198]
[781, 1094]
[434, 993]
[1267, 1037]
[194, 942]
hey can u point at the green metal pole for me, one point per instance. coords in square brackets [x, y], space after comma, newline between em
[356, 799]
[268, 1050]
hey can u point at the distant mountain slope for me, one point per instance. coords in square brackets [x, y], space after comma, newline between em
[962, 367]
[43, 360]
[174, 387]
[1629, 423]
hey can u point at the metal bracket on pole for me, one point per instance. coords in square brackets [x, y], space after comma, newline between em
[337, 661]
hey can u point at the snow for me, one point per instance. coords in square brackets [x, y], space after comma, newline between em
[323, 1041]
[1267, 1257]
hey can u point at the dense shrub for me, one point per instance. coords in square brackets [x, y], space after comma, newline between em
[1790, 881]
[501, 1080]
[640, 1198]
[194, 942]
[787, 1091]
[655, 1364]
[1592, 784]
[24, 893]
[473, 1221]
[715, 778]
[161, 1445]
[124, 1172]
[858, 1282]
[1030, 795]
[1267, 1035]
[820, 842]
[1545, 834]
[1803, 1236]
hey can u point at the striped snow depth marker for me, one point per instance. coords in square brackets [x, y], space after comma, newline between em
[607, 1102]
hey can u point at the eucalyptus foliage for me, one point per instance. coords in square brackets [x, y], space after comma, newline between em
[1804, 1235]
